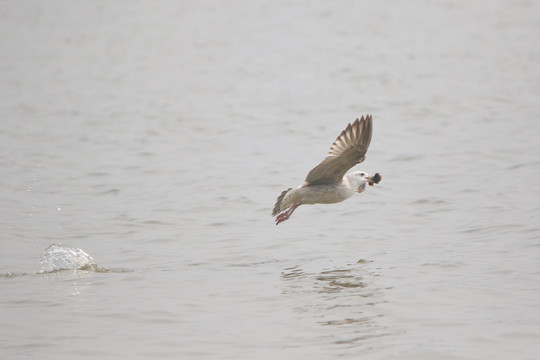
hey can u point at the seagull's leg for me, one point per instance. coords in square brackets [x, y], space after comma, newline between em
[282, 217]
[287, 214]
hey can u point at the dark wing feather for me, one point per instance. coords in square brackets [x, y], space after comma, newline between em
[348, 150]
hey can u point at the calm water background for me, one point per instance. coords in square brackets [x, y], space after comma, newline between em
[156, 136]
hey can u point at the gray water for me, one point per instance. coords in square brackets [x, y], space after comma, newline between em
[149, 139]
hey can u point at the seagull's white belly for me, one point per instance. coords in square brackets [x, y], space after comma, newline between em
[326, 194]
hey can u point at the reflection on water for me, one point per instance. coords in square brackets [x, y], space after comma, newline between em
[341, 298]
[338, 279]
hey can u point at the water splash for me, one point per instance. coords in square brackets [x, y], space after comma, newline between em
[59, 257]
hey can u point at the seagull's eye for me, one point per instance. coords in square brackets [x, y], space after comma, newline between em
[362, 174]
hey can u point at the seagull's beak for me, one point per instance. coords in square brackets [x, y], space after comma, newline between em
[370, 180]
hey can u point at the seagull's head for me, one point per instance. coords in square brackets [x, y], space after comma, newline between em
[359, 180]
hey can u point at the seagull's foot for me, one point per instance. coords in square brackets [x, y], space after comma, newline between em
[282, 217]
[287, 214]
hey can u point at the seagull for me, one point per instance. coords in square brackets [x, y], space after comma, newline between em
[327, 183]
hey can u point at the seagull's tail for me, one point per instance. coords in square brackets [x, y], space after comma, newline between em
[277, 207]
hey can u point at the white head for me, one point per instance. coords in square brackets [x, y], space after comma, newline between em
[359, 179]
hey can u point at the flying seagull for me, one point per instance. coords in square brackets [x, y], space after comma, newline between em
[327, 183]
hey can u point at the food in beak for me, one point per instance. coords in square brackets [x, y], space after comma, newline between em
[375, 179]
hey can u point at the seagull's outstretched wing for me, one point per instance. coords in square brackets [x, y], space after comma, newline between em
[348, 150]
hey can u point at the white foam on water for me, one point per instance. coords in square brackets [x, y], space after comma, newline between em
[59, 257]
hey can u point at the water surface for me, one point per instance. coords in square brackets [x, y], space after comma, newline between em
[155, 137]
